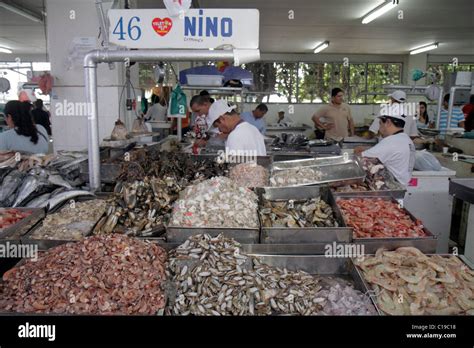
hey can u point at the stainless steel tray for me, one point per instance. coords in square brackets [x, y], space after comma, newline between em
[397, 192]
[336, 170]
[282, 235]
[45, 244]
[15, 232]
[426, 244]
[322, 266]
[241, 235]
[371, 293]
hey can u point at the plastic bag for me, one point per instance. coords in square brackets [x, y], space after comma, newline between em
[425, 161]
[178, 104]
[139, 126]
[175, 7]
[119, 132]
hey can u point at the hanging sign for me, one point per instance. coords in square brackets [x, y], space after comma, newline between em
[199, 29]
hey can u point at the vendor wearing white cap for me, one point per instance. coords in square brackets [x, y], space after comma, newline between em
[242, 135]
[396, 150]
[410, 128]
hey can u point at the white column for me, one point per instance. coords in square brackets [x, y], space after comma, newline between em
[67, 20]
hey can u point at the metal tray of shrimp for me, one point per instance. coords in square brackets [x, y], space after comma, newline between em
[45, 244]
[426, 244]
[373, 295]
[334, 170]
[14, 233]
[298, 235]
[242, 235]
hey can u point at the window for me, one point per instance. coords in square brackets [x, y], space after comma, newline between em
[379, 75]
[444, 69]
[288, 82]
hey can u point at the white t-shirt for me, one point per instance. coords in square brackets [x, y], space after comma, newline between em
[410, 126]
[397, 153]
[157, 112]
[246, 137]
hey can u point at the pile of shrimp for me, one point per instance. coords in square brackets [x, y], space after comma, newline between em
[408, 282]
[379, 218]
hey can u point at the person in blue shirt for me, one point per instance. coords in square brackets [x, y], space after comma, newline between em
[457, 117]
[255, 117]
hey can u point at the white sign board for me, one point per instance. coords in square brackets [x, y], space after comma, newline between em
[199, 29]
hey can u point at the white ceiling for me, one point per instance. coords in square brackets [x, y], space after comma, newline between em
[23, 35]
[450, 22]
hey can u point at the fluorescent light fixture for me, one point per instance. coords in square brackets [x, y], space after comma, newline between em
[5, 50]
[424, 48]
[321, 46]
[379, 10]
[20, 11]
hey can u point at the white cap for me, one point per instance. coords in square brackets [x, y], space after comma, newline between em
[399, 96]
[217, 109]
[394, 111]
[281, 110]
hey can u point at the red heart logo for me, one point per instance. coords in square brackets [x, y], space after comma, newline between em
[162, 26]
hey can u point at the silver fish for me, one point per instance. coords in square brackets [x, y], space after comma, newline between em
[57, 180]
[64, 196]
[31, 184]
[10, 184]
[39, 202]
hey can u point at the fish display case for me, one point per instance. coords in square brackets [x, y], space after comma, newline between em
[302, 235]
[426, 244]
[334, 170]
[15, 232]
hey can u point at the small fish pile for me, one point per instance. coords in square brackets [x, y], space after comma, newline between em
[212, 277]
[379, 218]
[249, 175]
[100, 275]
[140, 208]
[408, 282]
[295, 176]
[73, 222]
[9, 217]
[313, 212]
[217, 202]
[35, 176]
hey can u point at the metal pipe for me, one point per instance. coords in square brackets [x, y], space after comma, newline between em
[91, 60]
[440, 105]
[92, 125]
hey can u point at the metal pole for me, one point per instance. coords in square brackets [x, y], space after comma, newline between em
[440, 105]
[90, 69]
[105, 56]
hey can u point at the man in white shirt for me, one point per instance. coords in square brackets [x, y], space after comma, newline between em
[410, 128]
[396, 150]
[243, 138]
